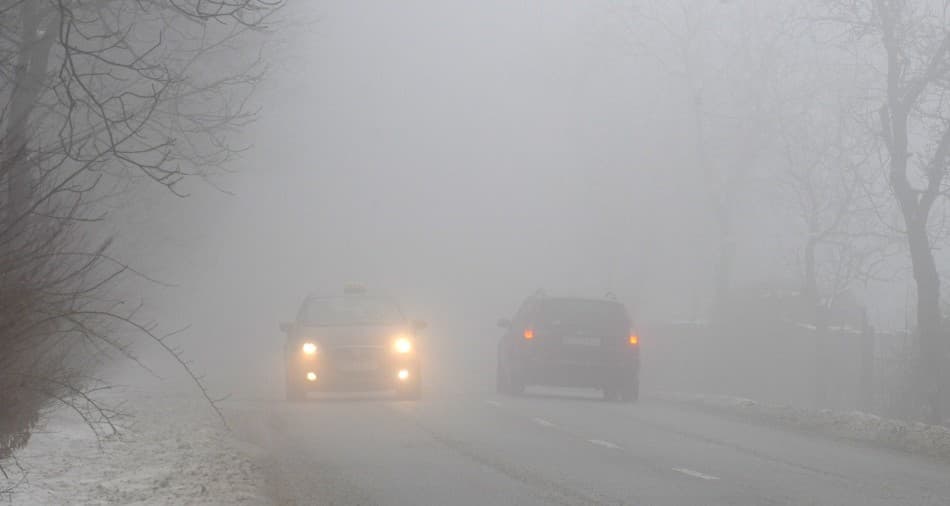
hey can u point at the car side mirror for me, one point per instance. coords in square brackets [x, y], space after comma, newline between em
[504, 323]
[286, 327]
[420, 324]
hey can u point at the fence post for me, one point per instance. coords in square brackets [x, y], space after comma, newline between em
[821, 359]
[866, 385]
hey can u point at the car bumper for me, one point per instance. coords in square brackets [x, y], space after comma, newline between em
[332, 377]
[574, 374]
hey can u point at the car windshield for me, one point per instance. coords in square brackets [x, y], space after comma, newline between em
[582, 313]
[351, 310]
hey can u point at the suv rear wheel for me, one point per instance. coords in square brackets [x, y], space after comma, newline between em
[631, 392]
[516, 384]
[501, 380]
[508, 381]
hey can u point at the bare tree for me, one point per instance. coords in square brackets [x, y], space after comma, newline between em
[831, 194]
[818, 173]
[912, 40]
[724, 74]
[94, 94]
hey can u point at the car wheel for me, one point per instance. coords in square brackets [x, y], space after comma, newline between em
[611, 394]
[501, 385]
[508, 382]
[516, 384]
[632, 392]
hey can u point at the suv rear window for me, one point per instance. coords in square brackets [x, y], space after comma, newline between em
[585, 313]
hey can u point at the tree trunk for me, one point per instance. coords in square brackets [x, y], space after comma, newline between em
[821, 356]
[915, 207]
[28, 83]
[915, 210]
[727, 250]
[929, 338]
[810, 286]
[866, 381]
[818, 319]
[719, 206]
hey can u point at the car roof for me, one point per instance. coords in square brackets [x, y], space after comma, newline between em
[609, 299]
[317, 295]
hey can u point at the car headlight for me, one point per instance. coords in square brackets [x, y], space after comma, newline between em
[309, 348]
[402, 345]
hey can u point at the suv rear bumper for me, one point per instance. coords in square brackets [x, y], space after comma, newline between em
[573, 374]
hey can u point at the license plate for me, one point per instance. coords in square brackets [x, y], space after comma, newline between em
[358, 366]
[582, 341]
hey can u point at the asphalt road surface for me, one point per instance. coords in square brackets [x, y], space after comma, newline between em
[560, 447]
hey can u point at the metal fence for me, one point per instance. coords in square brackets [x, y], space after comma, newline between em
[763, 359]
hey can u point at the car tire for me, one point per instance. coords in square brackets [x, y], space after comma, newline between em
[508, 382]
[632, 391]
[516, 385]
[501, 380]
[611, 394]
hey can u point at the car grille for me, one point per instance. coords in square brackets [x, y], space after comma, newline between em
[355, 353]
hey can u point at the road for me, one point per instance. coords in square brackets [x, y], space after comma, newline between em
[478, 448]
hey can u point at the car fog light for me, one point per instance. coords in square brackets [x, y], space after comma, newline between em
[403, 375]
[311, 376]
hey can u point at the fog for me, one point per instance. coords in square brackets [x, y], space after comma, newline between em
[451, 156]
[461, 156]
[646, 252]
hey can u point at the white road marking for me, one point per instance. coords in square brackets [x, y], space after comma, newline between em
[695, 474]
[605, 444]
[493, 403]
[543, 422]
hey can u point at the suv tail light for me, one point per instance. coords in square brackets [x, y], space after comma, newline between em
[528, 334]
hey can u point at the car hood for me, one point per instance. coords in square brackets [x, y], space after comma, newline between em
[352, 335]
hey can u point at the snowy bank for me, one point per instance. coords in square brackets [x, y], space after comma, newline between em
[915, 437]
[171, 451]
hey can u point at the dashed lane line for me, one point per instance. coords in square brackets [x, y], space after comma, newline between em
[695, 474]
[605, 444]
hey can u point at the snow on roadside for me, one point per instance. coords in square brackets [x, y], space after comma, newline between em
[171, 451]
[914, 437]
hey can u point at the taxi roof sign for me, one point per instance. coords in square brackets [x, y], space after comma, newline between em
[354, 289]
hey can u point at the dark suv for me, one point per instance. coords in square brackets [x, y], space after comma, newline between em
[570, 342]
